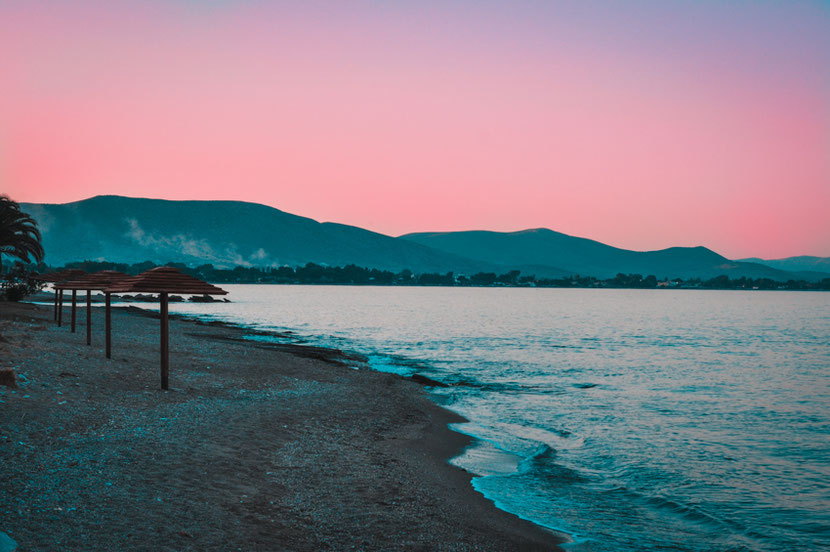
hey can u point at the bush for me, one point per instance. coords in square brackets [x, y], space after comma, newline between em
[17, 284]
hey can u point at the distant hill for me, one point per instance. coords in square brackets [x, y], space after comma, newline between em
[231, 233]
[819, 266]
[542, 248]
[223, 233]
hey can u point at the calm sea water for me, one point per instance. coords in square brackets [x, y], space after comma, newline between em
[627, 419]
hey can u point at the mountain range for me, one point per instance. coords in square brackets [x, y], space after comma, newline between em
[804, 263]
[230, 233]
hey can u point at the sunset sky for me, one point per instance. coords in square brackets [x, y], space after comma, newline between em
[642, 124]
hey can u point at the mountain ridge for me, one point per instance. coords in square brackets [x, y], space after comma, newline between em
[227, 233]
[224, 233]
[542, 247]
[799, 263]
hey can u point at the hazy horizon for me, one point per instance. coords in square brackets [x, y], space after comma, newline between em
[643, 125]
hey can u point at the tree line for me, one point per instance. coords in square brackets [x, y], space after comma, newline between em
[312, 273]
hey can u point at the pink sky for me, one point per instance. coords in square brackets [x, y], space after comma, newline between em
[645, 125]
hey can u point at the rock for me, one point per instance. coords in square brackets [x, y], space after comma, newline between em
[429, 382]
[7, 543]
[9, 379]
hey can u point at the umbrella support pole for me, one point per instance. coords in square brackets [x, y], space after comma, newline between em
[108, 323]
[74, 307]
[60, 308]
[165, 357]
[89, 317]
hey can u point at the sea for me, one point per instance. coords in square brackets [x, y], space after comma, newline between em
[623, 419]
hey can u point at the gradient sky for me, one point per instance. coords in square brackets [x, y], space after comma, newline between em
[642, 124]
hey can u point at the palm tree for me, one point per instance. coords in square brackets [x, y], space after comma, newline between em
[19, 236]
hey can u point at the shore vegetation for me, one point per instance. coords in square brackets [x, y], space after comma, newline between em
[316, 274]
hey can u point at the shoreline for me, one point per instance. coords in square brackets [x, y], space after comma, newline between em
[301, 452]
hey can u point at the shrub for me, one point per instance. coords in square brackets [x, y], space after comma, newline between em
[18, 283]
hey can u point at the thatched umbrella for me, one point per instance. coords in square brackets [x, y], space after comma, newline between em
[165, 280]
[95, 281]
[62, 276]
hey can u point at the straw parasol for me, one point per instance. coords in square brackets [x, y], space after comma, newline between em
[165, 280]
[61, 276]
[95, 281]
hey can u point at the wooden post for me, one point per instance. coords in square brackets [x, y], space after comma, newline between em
[74, 305]
[56, 304]
[108, 322]
[60, 308]
[165, 358]
[89, 317]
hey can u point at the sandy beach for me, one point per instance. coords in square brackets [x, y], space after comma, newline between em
[255, 447]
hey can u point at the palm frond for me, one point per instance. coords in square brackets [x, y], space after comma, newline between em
[19, 234]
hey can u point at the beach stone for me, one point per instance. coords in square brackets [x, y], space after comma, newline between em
[7, 543]
[9, 379]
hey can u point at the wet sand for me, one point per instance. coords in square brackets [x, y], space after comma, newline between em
[255, 447]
